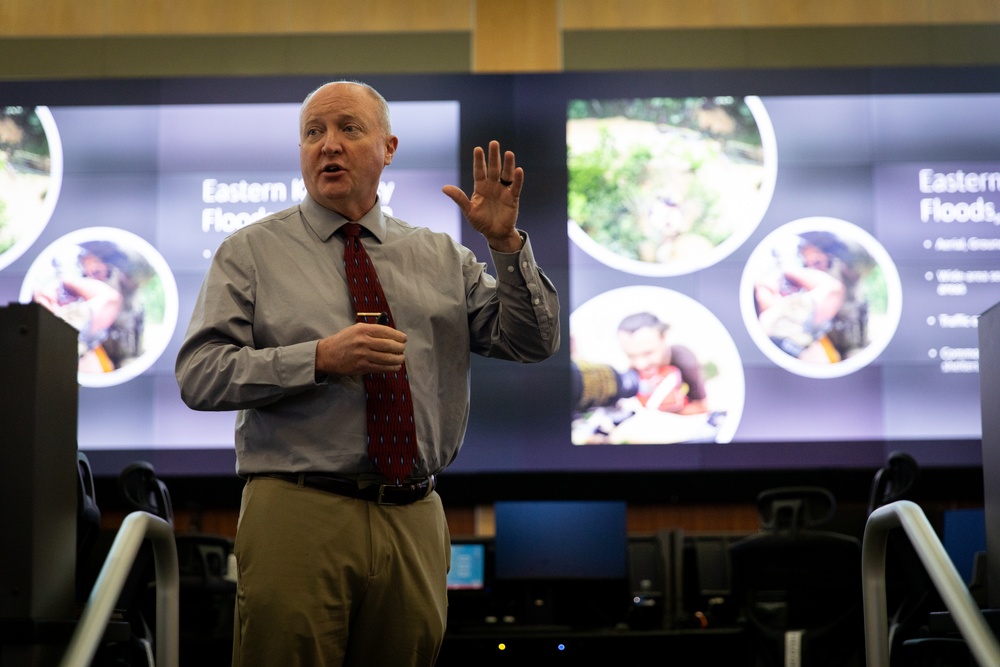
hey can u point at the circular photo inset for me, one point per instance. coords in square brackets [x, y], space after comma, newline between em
[30, 177]
[821, 297]
[117, 291]
[667, 186]
[652, 366]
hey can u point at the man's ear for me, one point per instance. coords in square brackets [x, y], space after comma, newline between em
[390, 148]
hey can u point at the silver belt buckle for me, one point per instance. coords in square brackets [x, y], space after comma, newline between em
[431, 482]
[381, 493]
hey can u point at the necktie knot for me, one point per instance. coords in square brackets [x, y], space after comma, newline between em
[352, 229]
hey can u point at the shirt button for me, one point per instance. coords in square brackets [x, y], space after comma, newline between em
[510, 269]
[537, 300]
[524, 264]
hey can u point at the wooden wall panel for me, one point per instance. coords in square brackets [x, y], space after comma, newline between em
[698, 519]
[964, 11]
[534, 21]
[371, 16]
[657, 14]
[799, 13]
[642, 519]
[195, 17]
[151, 38]
[75, 18]
[517, 36]
[652, 14]
[23, 18]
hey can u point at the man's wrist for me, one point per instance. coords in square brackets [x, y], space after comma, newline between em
[512, 243]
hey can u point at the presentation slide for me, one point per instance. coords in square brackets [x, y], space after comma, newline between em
[811, 265]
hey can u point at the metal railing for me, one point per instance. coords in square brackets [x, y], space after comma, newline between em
[134, 530]
[953, 591]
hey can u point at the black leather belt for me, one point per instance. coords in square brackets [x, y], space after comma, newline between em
[384, 494]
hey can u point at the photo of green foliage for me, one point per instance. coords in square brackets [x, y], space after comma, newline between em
[663, 180]
[25, 166]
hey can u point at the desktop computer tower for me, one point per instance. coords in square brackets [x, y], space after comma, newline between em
[38, 478]
[989, 381]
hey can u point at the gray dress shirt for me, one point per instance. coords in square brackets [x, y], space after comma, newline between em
[277, 286]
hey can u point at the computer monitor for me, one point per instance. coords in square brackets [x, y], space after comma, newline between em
[468, 566]
[963, 535]
[562, 562]
[472, 604]
[560, 540]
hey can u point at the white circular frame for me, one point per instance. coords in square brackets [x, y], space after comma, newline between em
[761, 256]
[154, 348]
[688, 320]
[22, 244]
[735, 240]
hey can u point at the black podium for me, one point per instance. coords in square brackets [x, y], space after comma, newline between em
[38, 484]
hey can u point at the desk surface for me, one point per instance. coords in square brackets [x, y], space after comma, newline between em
[526, 645]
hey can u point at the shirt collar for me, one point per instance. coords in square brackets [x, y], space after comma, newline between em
[325, 222]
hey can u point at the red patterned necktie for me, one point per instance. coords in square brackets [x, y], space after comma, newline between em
[392, 435]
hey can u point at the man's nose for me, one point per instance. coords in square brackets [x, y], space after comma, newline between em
[331, 143]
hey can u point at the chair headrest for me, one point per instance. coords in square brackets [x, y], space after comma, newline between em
[794, 507]
[894, 480]
[145, 492]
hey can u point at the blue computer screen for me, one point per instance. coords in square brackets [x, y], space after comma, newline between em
[468, 566]
[560, 540]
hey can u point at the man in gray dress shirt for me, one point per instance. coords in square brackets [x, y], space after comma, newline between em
[336, 565]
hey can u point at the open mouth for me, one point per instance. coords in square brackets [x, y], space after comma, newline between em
[331, 169]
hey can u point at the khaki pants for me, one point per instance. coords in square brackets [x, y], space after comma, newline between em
[326, 580]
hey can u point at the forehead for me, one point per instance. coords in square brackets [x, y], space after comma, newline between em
[341, 99]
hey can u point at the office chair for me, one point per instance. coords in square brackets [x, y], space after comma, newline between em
[912, 598]
[799, 589]
[143, 491]
[88, 524]
[207, 599]
[893, 481]
[207, 591]
[133, 620]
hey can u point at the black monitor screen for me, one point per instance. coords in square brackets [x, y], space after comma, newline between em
[560, 540]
